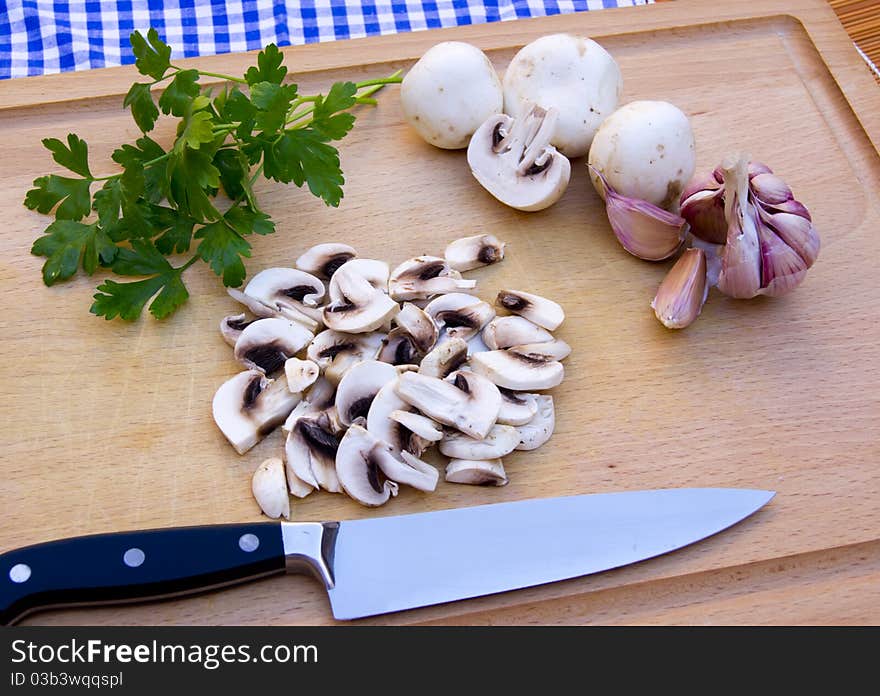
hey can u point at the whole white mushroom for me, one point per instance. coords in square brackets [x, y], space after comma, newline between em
[571, 74]
[449, 92]
[645, 150]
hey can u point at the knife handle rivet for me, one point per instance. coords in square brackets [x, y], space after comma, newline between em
[20, 572]
[249, 542]
[133, 558]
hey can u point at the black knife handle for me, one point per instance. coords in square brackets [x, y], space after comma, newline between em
[131, 566]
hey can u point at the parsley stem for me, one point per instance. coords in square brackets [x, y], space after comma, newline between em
[181, 269]
[228, 78]
[393, 78]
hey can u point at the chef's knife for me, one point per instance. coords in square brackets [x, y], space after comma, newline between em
[378, 565]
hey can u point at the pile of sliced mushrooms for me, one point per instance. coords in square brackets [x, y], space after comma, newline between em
[365, 368]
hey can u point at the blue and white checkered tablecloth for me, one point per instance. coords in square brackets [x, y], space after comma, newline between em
[47, 36]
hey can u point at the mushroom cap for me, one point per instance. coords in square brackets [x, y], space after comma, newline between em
[513, 330]
[359, 387]
[361, 307]
[538, 430]
[335, 351]
[469, 402]
[468, 253]
[232, 326]
[449, 92]
[266, 344]
[301, 374]
[375, 272]
[645, 150]
[270, 489]
[445, 359]
[488, 472]
[517, 408]
[460, 314]
[286, 287]
[557, 349]
[572, 74]
[516, 371]
[499, 441]
[358, 469]
[425, 276]
[513, 160]
[248, 406]
[322, 260]
[538, 310]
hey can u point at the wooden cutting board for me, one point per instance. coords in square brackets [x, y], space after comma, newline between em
[107, 425]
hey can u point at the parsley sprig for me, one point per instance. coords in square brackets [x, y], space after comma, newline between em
[167, 202]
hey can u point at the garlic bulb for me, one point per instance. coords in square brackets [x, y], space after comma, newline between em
[643, 229]
[768, 238]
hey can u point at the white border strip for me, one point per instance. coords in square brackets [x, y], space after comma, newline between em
[868, 61]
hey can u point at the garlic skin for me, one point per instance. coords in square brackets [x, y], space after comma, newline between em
[642, 228]
[683, 292]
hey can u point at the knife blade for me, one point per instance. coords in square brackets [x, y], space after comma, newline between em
[377, 565]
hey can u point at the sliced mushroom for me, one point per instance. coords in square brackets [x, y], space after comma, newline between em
[489, 472]
[418, 424]
[232, 326]
[408, 470]
[517, 371]
[361, 307]
[373, 271]
[322, 260]
[556, 349]
[359, 387]
[515, 162]
[475, 344]
[383, 427]
[358, 468]
[301, 374]
[257, 308]
[469, 403]
[501, 440]
[425, 276]
[538, 310]
[418, 325]
[266, 344]
[503, 332]
[335, 352]
[538, 430]
[320, 397]
[288, 290]
[310, 451]
[296, 485]
[472, 252]
[517, 408]
[398, 348]
[270, 489]
[445, 359]
[462, 315]
[249, 406]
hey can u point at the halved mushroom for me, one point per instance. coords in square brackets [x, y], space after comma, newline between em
[322, 260]
[515, 162]
[232, 326]
[358, 468]
[469, 402]
[249, 406]
[424, 276]
[418, 424]
[335, 352]
[266, 344]
[538, 310]
[489, 472]
[289, 290]
[359, 387]
[500, 440]
[310, 451]
[518, 371]
[472, 252]
[503, 332]
[517, 408]
[375, 272]
[462, 315]
[418, 325]
[538, 430]
[361, 307]
[445, 359]
[301, 374]
[270, 489]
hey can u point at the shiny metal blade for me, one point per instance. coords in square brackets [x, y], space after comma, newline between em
[393, 563]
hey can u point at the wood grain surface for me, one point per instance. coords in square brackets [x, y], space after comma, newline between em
[107, 425]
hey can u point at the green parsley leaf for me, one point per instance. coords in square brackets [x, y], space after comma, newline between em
[178, 95]
[65, 243]
[269, 68]
[195, 128]
[140, 155]
[247, 221]
[74, 156]
[234, 173]
[327, 117]
[141, 259]
[303, 156]
[73, 194]
[177, 238]
[222, 248]
[273, 102]
[191, 176]
[153, 56]
[143, 109]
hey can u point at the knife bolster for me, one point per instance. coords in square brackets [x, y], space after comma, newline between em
[308, 548]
